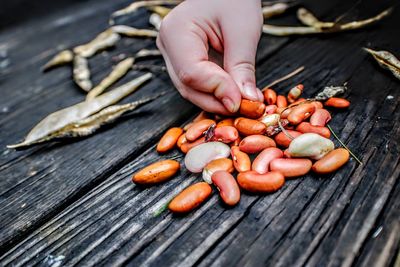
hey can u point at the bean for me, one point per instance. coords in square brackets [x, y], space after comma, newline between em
[310, 145]
[225, 122]
[181, 140]
[298, 101]
[261, 162]
[227, 186]
[185, 147]
[255, 143]
[198, 157]
[270, 119]
[337, 102]
[331, 161]
[225, 134]
[169, 139]
[157, 172]
[270, 96]
[317, 105]
[284, 141]
[284, 112]
[306, 127]
[300, 113]
[190, 198]
[222, 164]
[241, 161]
[281, 101]
[261, 183]
[251, 109]
[249, 127]
[291, 167]
[198, 128]
[270, 109]
[295, 93]
[187, 126]
[236, 142]
[320, 117]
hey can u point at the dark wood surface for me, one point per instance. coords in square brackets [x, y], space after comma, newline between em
[75, 199]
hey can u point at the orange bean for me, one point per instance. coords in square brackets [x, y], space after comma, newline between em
[185, 147]
[241, 161]
[181, 140]
[270, 96]
[282, 140]
[225, 134]
[337, 102]
[249, 127]
[261, 162]
[320, 117]
[222, 164]
[306, 127]
[300, 113]
[331, 161]
[291, 167]
[284, 112]
[169, 139]
[198, 128]
[295, 93]
[225, 122]
[227, 186]
[190, 198]
[251, 109]
[157, 172]
[270, 109]
[281, 101]
[255, 143]
[261, 183]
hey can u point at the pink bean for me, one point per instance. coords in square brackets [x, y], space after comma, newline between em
[255, 143]
[262, 161]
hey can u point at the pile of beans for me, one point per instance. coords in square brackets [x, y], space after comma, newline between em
[266, 144]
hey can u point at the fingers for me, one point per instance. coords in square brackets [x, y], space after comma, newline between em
[240, 47]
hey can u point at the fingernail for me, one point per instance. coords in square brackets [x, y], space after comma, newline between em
[250, 92]
[260, 95]
[230, 105]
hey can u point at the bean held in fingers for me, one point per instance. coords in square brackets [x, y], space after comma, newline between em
[337, 102]
[320, 117]
[331, 161]
[249, 127]
[262, 161]
[227, 186]
[255, 143]
[291, 167]
[190, 198]
[157, 172]
[222, 164]
[197, 129]
[169, 139]
[251, 109]
[270, 96]
[306, 127]
[261, 183]
[241, 161]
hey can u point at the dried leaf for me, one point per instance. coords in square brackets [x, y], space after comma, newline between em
[330, 91]
[135, 5]
[308, 18]
[104, 40]
[133, 32]
[274, 10]
[117, 73]
[386, 60]
[81, 73]
[63, 57]
[60, 119]
[160, 10]
[155, 20]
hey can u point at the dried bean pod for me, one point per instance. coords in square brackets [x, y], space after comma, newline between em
[306, 127]
[331, 161]
[241, 161]
[190, 198]
[198, 157]
[283, 140]
[225, 122]
[281, 101]
[262, 161]
[227, 186]
[157, 172]
[169, 139]
[198, 128]
[261, 183]
[270, 96]
[337, 102]
[222, 164]
[291, 167]
[255, 143]
[295, 93]
[300, 113]
[249, 127]
[251, 109]
[320, 117]
[186, 146]
[225, 134]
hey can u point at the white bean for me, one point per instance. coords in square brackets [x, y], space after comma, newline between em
[310, 145]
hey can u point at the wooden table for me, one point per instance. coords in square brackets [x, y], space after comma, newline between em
[73, 203]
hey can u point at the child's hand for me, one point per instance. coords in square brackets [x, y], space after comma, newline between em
[232, 28]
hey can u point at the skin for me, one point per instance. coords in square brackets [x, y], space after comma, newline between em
[210, 51]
